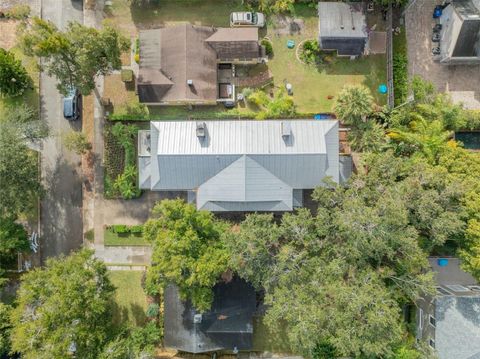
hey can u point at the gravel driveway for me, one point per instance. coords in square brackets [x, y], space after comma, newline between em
[463, 82]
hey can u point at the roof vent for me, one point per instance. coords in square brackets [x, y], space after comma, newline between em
[286, 129]
[190, 82]
[197, 318]
[201, 129]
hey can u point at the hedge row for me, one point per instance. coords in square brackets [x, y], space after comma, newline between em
[199, 116]
[122, 228]
[400, 67]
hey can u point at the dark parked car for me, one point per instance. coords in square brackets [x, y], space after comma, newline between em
[71, 108]
[437, 28]
[436, 37]
[436, 51]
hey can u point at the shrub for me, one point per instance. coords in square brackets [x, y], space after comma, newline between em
[89, 235]
[18, 12]
[126, 183]
[14, 79]
[153, 310]
[127, 75]
[268, 47]
[77, 142]
[119, 228]
[310, 52]
[136, 229]
[400, 78]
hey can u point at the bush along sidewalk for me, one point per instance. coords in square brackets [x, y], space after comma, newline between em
[121, 179]
[123, 235]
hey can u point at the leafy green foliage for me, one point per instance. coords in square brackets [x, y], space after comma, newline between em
[272, 6]
[327, 276]
[14, 79]
[253, 247]
[77, 142]
[400, 67]
[13, 240]
[187, 251]
[18, 12]
[138, 342]
[77, 55]
[120, 162]
[310, 52]
[126, 183]
[18, 165]
[268, 46]
[353, 105]
[67, 302]
[281, 105]
[5, 327]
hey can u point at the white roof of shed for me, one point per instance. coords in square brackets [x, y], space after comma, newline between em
[342, 20]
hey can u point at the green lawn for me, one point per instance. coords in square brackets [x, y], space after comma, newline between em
[127, 239]
[311, 85]
[30, 97]
[200, 12]
[130, 299]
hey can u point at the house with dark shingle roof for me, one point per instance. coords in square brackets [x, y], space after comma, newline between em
[188, 64]
[450, 321]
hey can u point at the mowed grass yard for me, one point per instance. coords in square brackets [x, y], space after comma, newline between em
[8, 30]
[130, 18]
[312, 86]
[130, 299]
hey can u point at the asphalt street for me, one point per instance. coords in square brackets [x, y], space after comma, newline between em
[61, 207]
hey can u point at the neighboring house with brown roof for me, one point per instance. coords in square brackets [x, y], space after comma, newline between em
[188, 64]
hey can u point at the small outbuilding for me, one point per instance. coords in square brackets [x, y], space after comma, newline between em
[342, 27]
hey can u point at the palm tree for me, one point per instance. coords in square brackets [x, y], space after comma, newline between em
[428, 137]
[354, 104]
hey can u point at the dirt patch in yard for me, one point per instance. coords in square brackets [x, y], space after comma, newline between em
[119, 93]
[286, 25]
[8, 31]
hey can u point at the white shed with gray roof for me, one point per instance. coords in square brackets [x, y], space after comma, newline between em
[240, 165]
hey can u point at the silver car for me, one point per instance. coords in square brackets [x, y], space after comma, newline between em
[246, 18]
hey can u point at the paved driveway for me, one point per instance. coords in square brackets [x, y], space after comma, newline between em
[462, 81]
[61, 214]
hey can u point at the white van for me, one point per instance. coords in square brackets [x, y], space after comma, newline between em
[244, 18]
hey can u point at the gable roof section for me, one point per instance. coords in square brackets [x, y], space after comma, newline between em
[235, 43]
[172, 55]
[245, 180]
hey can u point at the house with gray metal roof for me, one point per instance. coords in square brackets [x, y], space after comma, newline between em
[450, 322]
[460, 33]
[342, 27]
[239, 165]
